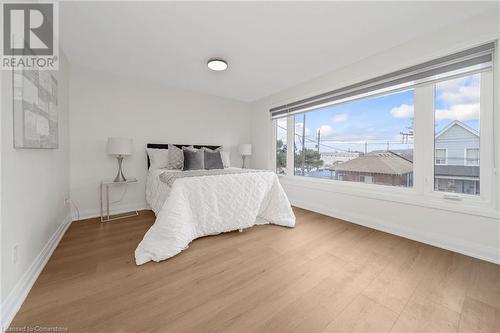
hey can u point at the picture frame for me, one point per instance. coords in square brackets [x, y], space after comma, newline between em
[35, 108]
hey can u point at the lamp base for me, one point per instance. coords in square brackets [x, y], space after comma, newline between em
[119, 176]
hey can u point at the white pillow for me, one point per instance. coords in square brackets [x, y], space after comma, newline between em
[226, 160]
[158, 158]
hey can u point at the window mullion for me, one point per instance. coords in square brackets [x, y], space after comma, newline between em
[274, 135]
[290, 145]
[486, 143]
[423, 160]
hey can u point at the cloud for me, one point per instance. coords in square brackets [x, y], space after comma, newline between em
[459, 98]
[462, 96]
[338, 118]
[464, 90]
[402, 111]
[326, 131]
[462, 112]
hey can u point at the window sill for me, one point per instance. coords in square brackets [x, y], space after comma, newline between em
[397, 194]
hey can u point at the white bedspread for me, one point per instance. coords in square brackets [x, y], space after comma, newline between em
[156, 190]
[202, 206]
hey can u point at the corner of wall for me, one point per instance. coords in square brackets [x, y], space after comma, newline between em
[13, 301]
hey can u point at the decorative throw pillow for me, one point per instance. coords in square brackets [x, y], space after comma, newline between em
[226, 161]
[212, 159]
[176, 157]
[193, 159]
[158, 158]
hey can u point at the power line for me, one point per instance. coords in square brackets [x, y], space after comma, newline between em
[322, 141]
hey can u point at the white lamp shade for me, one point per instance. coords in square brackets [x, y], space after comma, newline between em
[119, 146]
[246, 149]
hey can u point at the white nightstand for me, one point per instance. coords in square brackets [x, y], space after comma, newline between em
[106, 184]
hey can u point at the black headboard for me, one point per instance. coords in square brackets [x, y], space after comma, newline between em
[165, 146]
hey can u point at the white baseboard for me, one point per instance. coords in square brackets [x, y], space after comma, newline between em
[18, 294]
[452, 244]
[116, 209]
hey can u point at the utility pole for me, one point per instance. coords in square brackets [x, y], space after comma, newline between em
[387, 146]
[366, 147]
[319, 138]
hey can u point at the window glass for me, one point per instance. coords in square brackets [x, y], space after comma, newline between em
[368, 140]
[440, 156]
[281, 146]
[472, 156]
[456, 122]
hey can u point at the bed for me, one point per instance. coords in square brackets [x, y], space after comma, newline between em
[193, 204]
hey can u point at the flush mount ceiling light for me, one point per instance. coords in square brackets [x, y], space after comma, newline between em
[217, 64]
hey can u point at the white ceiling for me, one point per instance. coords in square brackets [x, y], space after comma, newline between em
[269, 46]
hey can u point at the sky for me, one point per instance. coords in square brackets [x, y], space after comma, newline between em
[379, 120]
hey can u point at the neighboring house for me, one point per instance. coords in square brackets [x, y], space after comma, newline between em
[456, 166]
[333, 158]
[457, 159]
[386, 168]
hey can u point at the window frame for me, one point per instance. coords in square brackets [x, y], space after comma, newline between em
[466, 156]
[445, 156]
[422, 193]
[486, 167]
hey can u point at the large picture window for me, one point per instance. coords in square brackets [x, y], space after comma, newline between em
[423, 131]
[368, 140]
[457, 132]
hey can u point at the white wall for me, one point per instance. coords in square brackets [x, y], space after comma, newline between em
[104, 105]
[34, 184]
[470, 234]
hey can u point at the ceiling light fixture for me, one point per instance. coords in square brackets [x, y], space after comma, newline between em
[217, 64]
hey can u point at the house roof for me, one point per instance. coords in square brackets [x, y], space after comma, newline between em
[388, 163]
[457, 123]
[407, 154]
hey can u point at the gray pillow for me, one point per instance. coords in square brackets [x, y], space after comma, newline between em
[213, 159]
[193, 159]
[175, 157]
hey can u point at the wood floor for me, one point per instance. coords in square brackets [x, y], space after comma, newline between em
[325, 275]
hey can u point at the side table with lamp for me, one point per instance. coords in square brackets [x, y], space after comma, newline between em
[118, 147]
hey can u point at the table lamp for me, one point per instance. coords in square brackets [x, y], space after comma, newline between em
[245, 150]
[120, 147]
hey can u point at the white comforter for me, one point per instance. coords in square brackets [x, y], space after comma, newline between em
[201, 206]
[156, 190]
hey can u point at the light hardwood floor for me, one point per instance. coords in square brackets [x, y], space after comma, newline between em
[326, 275]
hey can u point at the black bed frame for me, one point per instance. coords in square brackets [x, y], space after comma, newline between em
[165, 146]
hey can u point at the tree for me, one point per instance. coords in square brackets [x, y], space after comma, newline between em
[280, 155]
[312, 159]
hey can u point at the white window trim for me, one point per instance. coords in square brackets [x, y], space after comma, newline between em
[274, 123]
[388, 193]
[422, 193]
[290, 139]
